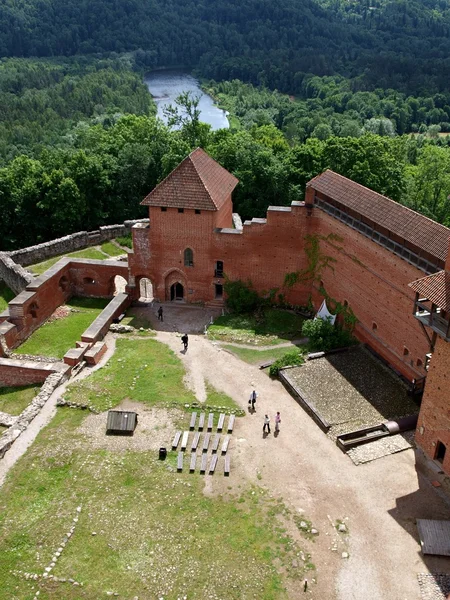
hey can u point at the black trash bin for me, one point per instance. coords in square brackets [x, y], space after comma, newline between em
[162, 453]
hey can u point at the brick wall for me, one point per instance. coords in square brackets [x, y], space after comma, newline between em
[434, 418]
[15, 373]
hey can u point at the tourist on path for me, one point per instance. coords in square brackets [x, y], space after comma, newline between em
[185, 340]
[160, 314]
[252, 399]
[277, 422]
[266, 424]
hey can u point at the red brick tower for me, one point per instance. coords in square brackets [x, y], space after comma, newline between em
[175, 250]
[432, 309]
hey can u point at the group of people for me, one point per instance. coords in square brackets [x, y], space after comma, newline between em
[266, 426]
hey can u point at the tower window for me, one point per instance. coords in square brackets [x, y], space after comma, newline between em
[198, 212]
[405, 351]
[440, 452]
[374, 326]
[163, 208]
[188, 258]
[181, 210]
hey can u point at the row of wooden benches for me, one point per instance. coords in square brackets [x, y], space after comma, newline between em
[220, 424]
[196, 440]
[203, 463]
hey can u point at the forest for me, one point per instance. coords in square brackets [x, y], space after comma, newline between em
[361, 88]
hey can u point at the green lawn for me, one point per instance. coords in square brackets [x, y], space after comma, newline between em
[126, 241]
[55, 338]
[40, 268]
[5, 296]
[256, 357]
[111, 249]
[272, 328]
[136, 318]
[14, 400]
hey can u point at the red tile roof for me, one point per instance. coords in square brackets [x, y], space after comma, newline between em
[435, 288]
[198, 182]
[418, 230]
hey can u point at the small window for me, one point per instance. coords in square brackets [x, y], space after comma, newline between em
[405, 351]
[88, 280]
[374, 326]
[419, 362]
[345, 303]
[33, 310]
[440, 452]
[181, 210]
[188, 258]
[163, 208]
[198, 212]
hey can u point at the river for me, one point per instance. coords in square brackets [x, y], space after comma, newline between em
[165, 86]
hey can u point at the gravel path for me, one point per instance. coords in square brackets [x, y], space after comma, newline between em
[381, 500]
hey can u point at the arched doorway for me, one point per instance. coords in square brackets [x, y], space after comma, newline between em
[176, 292]
[145, 290]
[120, 283]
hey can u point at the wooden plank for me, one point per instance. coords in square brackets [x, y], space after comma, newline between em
[215, 445]
[184, 441]
[193, 461]
[193, 419]
[201, 422]
[176, 440]
[231, 424]
[180, 461]
[206, 442]
[226, 441]
[226, 467]
[210, 421]
[213, 463]
[195, 442]
[434, 536]
[221, 422]
[203, 463]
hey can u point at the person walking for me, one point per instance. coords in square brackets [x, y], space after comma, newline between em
[266, 424]
[277, 422]
[252, 399]
[185, 340]
[160, 314]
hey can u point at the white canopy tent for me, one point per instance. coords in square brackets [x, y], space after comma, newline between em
[324, 313]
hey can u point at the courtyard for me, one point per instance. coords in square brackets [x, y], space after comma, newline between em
[293, 508]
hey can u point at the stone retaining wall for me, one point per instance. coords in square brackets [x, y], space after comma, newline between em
[70, 243]
[23, 421]
[14, 275]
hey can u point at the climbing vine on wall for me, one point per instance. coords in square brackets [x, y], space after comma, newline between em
[348, 316]
[317, 260]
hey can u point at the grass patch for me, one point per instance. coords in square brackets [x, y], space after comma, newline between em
[141, 370]
[256, 357]
[214, 398]
[41, 267]
[56, 337]
[111, 249]
[273, 326]
[157, 534]
[125, 241]
[5, 296]
[136, 319]
[13, 400]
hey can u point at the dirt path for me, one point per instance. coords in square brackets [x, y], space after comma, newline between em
[379, 501]
[47, 413]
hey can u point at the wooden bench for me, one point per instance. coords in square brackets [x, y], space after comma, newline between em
[231, 424]
[210, 421]
[226, 467]
[226, 441]
[203, 463]
[206, 442]
[180, 461]
[221, 422]
[193, 419]
[215, 445]
[213, 463]
[193, 461]
[201, 422]
[176, 440]
[184, 441]
[195, 442]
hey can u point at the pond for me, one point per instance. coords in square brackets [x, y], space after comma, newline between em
[166, 85]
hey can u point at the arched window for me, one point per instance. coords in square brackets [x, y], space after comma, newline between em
[188, 258]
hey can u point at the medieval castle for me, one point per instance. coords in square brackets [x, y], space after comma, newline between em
[385, 262]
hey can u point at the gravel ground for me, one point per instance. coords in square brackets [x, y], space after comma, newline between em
[353, 388]
[379, 448]
[434, 586]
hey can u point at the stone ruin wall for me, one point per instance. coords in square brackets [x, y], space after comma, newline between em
[14, 275]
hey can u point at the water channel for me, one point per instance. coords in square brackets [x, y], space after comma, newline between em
[165, 86]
